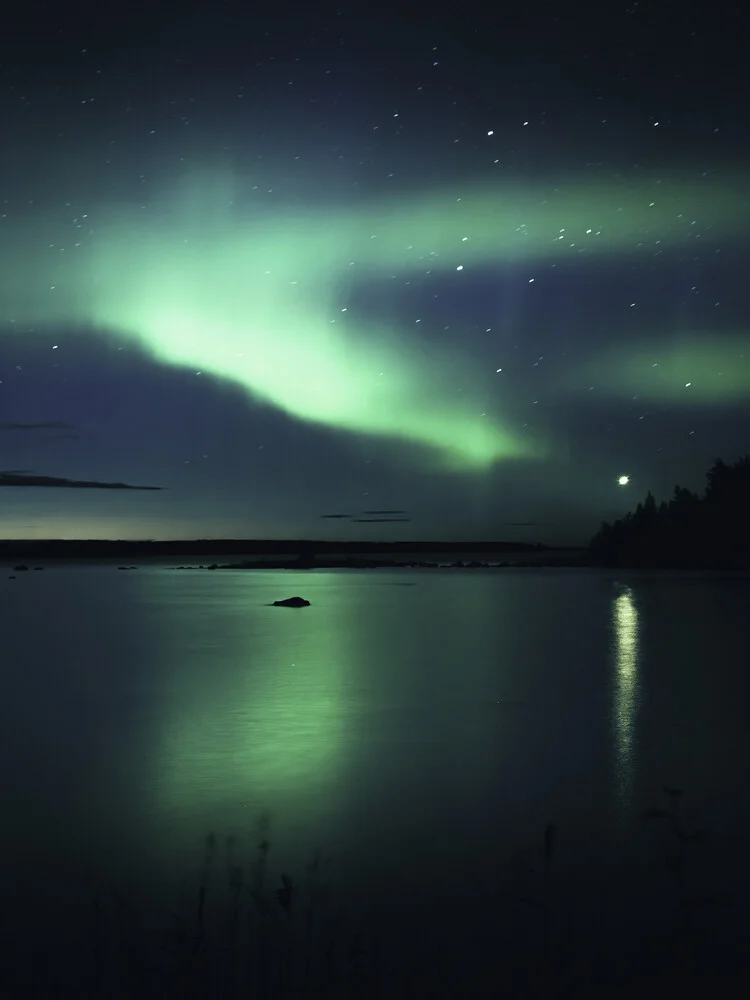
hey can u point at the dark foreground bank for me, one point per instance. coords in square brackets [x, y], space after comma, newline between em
[246, 929]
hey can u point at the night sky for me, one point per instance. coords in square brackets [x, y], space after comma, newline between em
[297, 260]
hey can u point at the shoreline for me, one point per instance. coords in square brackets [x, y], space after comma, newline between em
[268, 564]
[293, 555]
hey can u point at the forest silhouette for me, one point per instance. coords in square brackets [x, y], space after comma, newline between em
[688, 532]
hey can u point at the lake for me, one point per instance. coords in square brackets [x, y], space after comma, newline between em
[425, 729]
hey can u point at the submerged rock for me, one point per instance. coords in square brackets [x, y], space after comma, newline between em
[292, 602]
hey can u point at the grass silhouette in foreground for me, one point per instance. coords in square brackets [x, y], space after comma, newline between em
[245, 932]
[241, 933]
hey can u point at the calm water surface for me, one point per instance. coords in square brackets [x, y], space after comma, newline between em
[421, 727]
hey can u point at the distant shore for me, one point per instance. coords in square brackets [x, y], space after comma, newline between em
[286, 554]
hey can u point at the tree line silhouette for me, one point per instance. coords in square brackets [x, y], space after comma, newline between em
[690, 532]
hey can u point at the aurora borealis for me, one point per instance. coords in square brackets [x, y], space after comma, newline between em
[276, 297]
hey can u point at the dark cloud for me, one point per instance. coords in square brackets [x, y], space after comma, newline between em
[379, 520]
[369, 512]
[41, 425]
[18, 479]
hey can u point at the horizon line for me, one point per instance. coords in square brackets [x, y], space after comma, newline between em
[285, 541]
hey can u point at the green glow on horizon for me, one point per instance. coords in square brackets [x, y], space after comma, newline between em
[262, 300]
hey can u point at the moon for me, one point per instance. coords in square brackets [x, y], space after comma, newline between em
[623, 480]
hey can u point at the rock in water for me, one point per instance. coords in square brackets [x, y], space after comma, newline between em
[292, 602]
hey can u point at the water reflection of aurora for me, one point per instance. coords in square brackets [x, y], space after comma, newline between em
[257, 714]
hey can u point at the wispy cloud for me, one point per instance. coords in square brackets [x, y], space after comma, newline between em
[378, 520]
[40, 425]
[25, 479]
[355, 518]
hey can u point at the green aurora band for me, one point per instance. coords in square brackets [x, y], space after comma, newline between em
[706, 369]
[257, 298]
